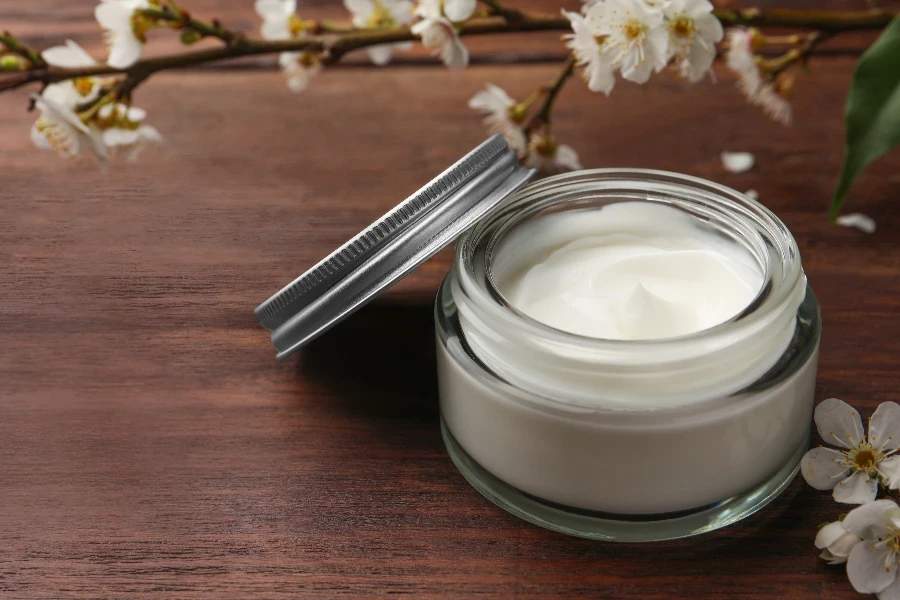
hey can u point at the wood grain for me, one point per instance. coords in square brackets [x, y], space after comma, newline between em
[151, 446]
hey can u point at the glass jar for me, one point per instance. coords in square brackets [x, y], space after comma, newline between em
[627, 440]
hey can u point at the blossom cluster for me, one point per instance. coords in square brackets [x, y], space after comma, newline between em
[867, 539]
[105, 128]
[637, 38]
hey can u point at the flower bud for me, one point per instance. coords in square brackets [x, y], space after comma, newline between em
[190, 37]
[11, 62]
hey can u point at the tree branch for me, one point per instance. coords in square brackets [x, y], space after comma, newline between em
[334, 46]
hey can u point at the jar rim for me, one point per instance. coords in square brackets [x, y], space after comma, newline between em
[739, 207]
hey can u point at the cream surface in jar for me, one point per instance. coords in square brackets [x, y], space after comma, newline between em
[627, 355]
[627, 271]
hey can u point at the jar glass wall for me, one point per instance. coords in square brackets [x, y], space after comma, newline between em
[626, 440]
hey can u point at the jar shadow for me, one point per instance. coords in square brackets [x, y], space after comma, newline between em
[380, 360]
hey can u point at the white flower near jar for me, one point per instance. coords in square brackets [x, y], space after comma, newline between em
[501, 116]
[125, 36]
[873, 563]
[836, 543]
[693, 34]
[437, 31]
[861, 461]
[550, 157]
[371, 14]
[634, 35]
[589, 48]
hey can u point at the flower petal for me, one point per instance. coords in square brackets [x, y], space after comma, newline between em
[70, 55]
[823, 468]
[891, 592]
[862, 222]
[125, 51]
[454, 54]
[871, 520]
[859, 488]
[737, 162]
[890, 468]
[113, 15]
[839, 423]
[459, 10]
[870, 569]
[39, 139]
[843, 546]
[381, 54]
[884, 426]
[567, 157]
[360, 8]
[829, 534]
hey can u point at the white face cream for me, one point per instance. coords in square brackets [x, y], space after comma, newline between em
[627, 343]
[615, 274]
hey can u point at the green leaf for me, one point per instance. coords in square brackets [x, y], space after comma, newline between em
[872, 114]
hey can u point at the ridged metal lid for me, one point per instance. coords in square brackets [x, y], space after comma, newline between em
[394, 245]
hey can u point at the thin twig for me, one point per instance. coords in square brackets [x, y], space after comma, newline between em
[181, 19]
[542, 116]
[799, 54]
[10, 43]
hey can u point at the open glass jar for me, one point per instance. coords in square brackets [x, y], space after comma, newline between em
[626, 440]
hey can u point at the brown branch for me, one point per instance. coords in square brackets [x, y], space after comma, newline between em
[335, 46]
[179, 18]
[542, 116]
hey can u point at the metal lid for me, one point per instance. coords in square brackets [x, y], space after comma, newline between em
[394, 245]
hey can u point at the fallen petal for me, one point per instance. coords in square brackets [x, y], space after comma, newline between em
[858, 220]
[737, 162]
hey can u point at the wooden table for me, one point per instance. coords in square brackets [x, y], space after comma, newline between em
[151, 445]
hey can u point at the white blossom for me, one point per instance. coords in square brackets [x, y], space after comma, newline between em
[835, 542]
[277, 16]
[752, 194]
[549, 157]
[299, 68]
[634, 35]
[854, 470]
[124, 39]
[71, 92]
[60, 128]
[437, 30]
[500, 116]
[693, 34]
[589, 49]
[280, 23]
[737, 162]
[123, 132]
[862, 222]
[381, 13]
[70, 55]
[873, 563]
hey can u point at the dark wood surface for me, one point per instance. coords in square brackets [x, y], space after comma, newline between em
[150, 444]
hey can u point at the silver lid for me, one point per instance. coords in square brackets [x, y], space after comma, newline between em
[394, 245]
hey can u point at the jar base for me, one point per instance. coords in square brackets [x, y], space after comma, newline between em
[625, 528]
